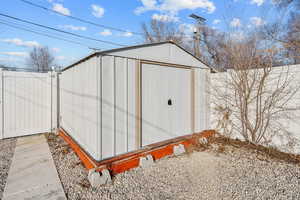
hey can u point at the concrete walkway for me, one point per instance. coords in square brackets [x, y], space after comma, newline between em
[32, 174]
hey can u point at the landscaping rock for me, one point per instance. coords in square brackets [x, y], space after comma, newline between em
[7, 148]
[233, 174]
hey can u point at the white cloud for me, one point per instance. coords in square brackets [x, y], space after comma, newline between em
[61, 9]
[60, 57]
[165, 18]
[98, 11]
[106, 32]
[257, 21]
[235, 22]
[75, 28]
[174, 6]
[56, 50]
[19, 42]
[52, 1]
[216, 21]
[127, 34]
[147, 5]
[15, 53]
[257, 2]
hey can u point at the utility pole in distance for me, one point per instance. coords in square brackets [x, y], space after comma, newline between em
[200, 21]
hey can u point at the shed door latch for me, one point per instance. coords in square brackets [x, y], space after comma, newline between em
[169, 102]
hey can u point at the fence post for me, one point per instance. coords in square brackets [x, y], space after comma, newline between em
[54, 100]
[58, 100]
[50, 74]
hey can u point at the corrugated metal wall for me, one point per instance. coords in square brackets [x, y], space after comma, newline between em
[80, 105]
[98, 105]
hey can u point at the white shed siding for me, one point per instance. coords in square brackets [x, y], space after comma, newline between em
[108, 98]
[82, 108]
[118, 105]
[79, 104]
[121, 105]
[131, 106]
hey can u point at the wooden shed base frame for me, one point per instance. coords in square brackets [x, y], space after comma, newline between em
[127, 161]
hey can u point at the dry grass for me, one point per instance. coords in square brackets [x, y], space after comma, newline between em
[261, 151]
[64, 147]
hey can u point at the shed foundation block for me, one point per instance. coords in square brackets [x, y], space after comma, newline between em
[146, 161]
[178, 149]
[96, 179]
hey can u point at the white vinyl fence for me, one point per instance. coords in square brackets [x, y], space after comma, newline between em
[28, 103]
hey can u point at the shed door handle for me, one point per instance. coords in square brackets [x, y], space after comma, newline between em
[170, 102]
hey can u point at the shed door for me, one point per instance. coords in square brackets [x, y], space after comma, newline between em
[166, 103]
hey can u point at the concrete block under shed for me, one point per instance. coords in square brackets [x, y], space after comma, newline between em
[146, 161]
[178, 149]
[97, 179]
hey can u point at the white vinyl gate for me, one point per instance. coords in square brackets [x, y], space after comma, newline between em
[26, 103]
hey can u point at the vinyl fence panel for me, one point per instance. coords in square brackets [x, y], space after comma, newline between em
[26, 103]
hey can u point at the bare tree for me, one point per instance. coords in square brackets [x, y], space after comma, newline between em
[41, 59]
[181, 34]
[286, 3]
[214, 47]
[159, 31]
[292, 38]
[252, 100]
[286, 31]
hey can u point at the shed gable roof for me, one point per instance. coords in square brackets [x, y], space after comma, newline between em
[167, 52]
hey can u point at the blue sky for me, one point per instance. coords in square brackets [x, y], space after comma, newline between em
[225, 15]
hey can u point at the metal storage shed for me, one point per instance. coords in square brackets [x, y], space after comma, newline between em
[116, 101]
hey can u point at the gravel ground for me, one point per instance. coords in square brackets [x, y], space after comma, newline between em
[235, 173]
[7, 147]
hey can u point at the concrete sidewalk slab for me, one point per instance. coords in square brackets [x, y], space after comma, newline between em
[32, 174]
